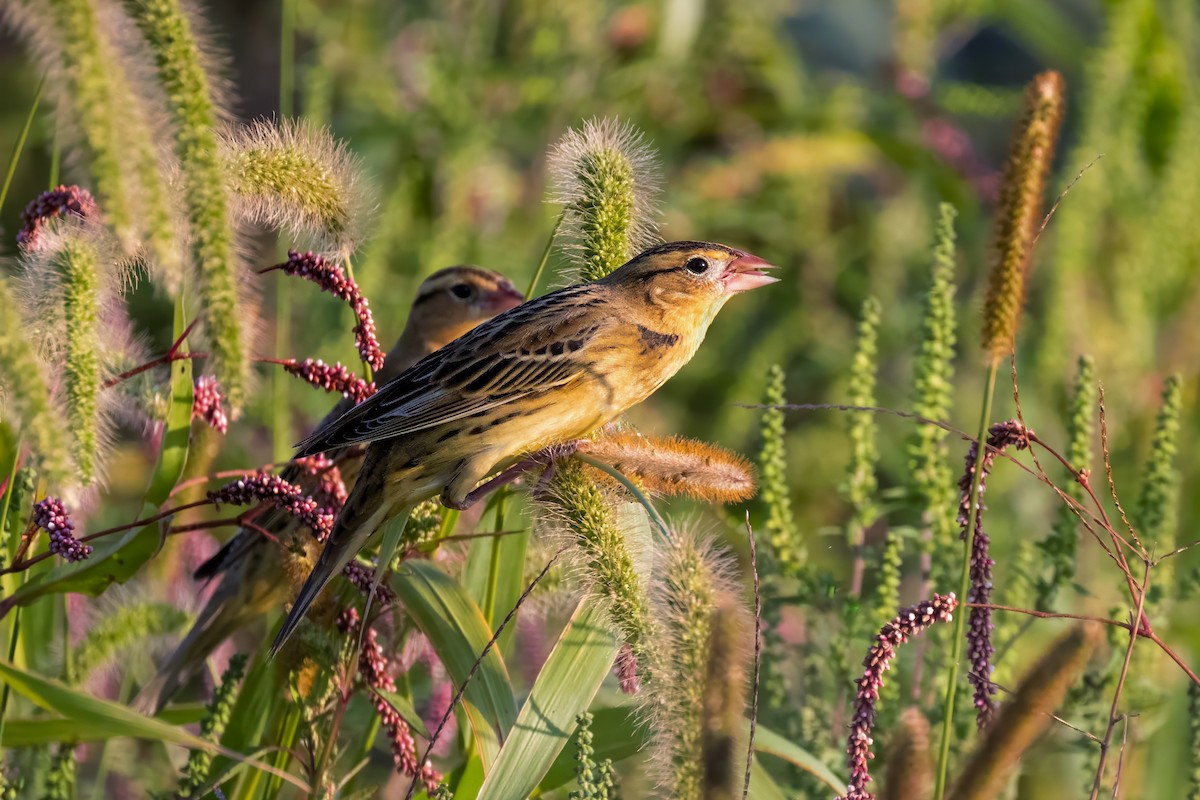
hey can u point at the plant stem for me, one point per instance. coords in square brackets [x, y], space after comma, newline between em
[489, 602]
[537, 276]
[20, 145]
[281, 436]
[960, 619]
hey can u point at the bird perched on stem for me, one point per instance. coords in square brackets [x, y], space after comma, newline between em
[448, 304]
[544, 373]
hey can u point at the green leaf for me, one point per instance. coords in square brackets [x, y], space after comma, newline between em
[616, 734]
[116, 560]
[30, 732]
[767, 741]
[565, 687]
[112, 719]
[456, 629]
[404, 707]
[762, 785]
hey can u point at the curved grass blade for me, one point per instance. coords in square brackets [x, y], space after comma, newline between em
[33, 732]
[771, 743]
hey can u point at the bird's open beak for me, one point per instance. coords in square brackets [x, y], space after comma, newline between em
[747, 272]
[504, 297]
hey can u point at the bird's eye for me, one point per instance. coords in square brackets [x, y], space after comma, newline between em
[696, 266]
[461, 290]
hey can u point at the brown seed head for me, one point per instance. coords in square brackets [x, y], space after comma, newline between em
[1019, 209]
[909, 762]
[673, 465]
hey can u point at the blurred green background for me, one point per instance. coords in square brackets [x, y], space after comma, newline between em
[818, 135]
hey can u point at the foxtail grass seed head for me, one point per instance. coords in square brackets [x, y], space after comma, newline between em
[782, 534]
[296, 178]
[333, 279]
[64, 201]
[25, 399]
[51, 516]
[168, 32]
[861, 482]
[262, 487]
[1001, 436]
[606, 177]
[909, 760]
[1026, 714]
[933, 373]
[1157, 503]
[694, 581]
[102, 114]
[583, 514]
[674, 465]
[1059, 547]
[121, 629]
[220, 709]
[1019, 210]
[336, 378]
[208, 403]
[908, 623]
[725, 700]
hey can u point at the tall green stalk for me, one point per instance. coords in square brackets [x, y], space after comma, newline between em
[281, 436]
[960, 619]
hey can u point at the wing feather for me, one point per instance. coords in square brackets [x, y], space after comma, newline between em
[532, 348]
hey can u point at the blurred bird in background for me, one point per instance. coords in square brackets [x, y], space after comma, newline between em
[449, 303]
[544, 373]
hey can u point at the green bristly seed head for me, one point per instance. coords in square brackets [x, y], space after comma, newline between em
[78, 264]
[1156, 512]
[606, 178]
[212, 727]
[177, 56]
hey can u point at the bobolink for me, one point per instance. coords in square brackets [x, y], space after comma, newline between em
[546, 372]
[448, 304]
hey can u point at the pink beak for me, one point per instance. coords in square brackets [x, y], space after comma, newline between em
[747, 272]
[504, 297]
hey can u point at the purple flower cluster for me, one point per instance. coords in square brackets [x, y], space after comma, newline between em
[908, 623]
[51, 516]
[373, 667]
[208, 403]
[362, 578]
[263, 487]
[330, 377]
[331, 491]
[626, 667]
[334, 280]
[59, 202]
[979, 623]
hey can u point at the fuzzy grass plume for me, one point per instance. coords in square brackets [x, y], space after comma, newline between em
[296, 178]
[909, 761]
[725, 699]
[1156, 510]
[130, 625]
[199, 763]
[693, 584]
[181, 67]
[1025, 715]
[72, 282]
[606, 177]
[584, 514]
[102, 107]
[861, 481]
[24, 390]
[1019, 210]
[675, 465]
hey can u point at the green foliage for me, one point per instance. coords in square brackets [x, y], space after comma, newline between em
[60, 778]
[195, 774]
[933, 398]
[782, 535]
[1155, 515]
[861, 481]
[124, 628]
[1059, 546]
[595, 780]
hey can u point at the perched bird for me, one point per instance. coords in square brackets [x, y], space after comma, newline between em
[448, 304]
[546, 372]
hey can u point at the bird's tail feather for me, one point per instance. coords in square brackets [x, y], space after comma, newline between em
[367, 508]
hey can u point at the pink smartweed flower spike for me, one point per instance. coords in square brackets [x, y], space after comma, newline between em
[208, 403]
[908, 623]
[58, 202]
[51, 516]
[333, 279]
[335, 378]
[265, 488]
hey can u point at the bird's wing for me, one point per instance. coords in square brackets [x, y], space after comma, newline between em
[532, 348]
